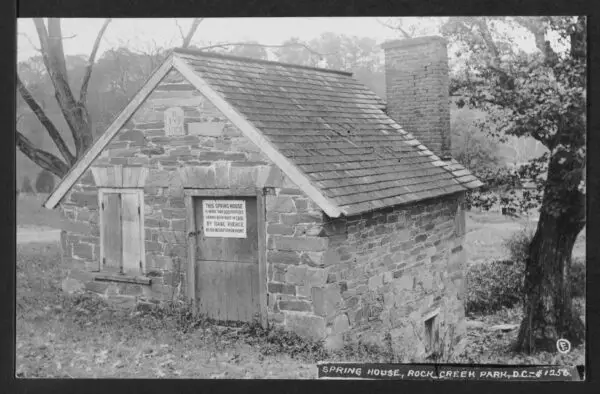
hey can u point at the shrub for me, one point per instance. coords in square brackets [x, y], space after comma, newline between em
[26, 185]
[493, 285]
[497, 284]
[518, 243]
[518, 247]
[44, 182]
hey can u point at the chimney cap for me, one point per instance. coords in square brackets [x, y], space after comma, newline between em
[407, 42]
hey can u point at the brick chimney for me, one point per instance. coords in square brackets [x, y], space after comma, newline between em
[417, 84]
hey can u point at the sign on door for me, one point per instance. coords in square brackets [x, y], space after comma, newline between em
[224, 218]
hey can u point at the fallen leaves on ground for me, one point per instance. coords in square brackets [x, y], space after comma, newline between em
[65, 337]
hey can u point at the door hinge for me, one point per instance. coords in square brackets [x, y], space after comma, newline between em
[139, 210]
[102, 205]
[103, 260]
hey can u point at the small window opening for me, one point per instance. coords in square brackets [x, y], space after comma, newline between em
[431, 333]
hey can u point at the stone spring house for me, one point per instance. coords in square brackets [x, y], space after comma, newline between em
[283, 194]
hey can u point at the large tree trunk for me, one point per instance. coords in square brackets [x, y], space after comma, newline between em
[547, 305]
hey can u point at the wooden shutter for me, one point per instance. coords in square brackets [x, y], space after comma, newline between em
[132, 239]
[111, 231]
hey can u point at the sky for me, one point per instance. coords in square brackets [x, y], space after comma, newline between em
[144, 34]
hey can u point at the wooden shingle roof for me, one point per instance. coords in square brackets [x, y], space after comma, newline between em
[333, 129]
[325, 130]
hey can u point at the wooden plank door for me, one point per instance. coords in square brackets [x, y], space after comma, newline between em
[227, 275]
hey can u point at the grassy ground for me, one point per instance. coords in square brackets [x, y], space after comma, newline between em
[30, 212]
[62, 336]
[487, 230]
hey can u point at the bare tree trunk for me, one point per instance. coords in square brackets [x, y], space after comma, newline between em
[547, 305]
[74, 111]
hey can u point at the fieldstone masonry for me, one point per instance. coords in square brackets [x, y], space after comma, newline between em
[394, 267]
[210, 145]
[375, 276]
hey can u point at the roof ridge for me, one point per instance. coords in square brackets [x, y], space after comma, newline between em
[252, 60]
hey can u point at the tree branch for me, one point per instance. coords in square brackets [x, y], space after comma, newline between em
[43, 159]
[56, 53]
[180, 31]
[539, 34]
[43, 37]
[188, 38]
[312, 51]
[46, 122]
[489, 42]
[506, 81]
[397, 27]
[90, 65]
[30, 42]
[75, 113]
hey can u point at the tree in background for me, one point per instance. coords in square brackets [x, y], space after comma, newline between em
[119, 73]
[26, 185]
[251, 49]
[472, 148]
[409, 27]
[84, 116]
[360, 55]
[541, 95]
[44, 182]
[73, 104]
[295, 51]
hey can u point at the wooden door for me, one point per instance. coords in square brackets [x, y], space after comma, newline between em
[227, 274]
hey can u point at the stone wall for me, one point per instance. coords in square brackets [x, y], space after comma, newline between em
[210, 143]
[295, 261]
[370, 274]
[389, 269]
[417, 86]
